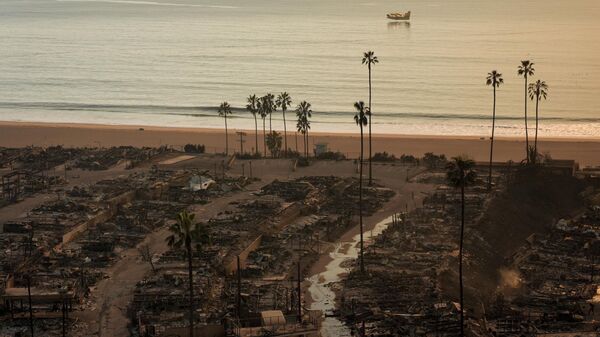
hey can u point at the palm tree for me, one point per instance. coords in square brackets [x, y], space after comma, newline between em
[190, 235]
[300, 128]
[495, 80]
[304, 113]
[526, 69]
[307, 127]
[284, 101]
[361, 120]
[369, 59]
[537, 90]
[224, 110]
[460, 174]
[252, 106]
[270, 107]
[262, 110]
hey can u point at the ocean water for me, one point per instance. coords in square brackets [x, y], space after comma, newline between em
[171, 62]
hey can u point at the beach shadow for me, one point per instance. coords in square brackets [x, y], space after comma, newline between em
[397, 25]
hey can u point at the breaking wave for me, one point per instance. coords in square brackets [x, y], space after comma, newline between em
[210, 111]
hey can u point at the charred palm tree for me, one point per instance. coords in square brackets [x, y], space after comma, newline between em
[224, 110]
[360, 117]
[189, 235]
[495, 80]
[284, 101]
[460, 174]
[526, 69]
[252, 106]
[537, 91]
[370, 59]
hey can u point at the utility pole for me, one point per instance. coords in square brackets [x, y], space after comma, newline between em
[242, 141]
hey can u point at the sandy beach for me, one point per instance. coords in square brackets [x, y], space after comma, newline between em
[14, 134]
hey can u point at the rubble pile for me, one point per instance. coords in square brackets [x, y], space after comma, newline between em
[404, 263]
[161, 300]
[202, 187]
[105, 158]
[549, 284]
[289, 190]
[403, 292]
[16, 185]
[68, 243]
[330, 194]
[38, 158]
[271, 233]
[30, 170]
[556, 278]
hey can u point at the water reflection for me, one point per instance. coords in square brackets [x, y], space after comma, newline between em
[396, 25]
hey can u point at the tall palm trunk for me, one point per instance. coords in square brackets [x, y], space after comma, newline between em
[284, 132]
[370, 116]
[188, 248]
[270, 133]
[360, 205]
[526, 128]
[256, 132]
[304, 143]
[307, 144]
[492, 141]
[264, 138]
[537, 104]
[226, 138]
[460, 253]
